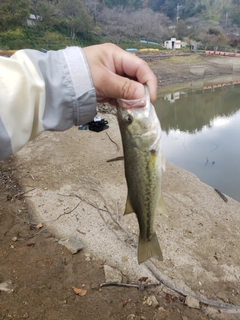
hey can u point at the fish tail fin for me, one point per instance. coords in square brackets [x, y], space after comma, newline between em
[148, 249]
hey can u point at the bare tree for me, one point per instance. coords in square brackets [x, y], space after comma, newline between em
[149, 25]
[182, 30]
[115, 24]
[213, 40]
[75, 17]
[94, 7]
[119, 24]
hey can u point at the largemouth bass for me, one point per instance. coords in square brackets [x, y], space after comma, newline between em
[143, 162]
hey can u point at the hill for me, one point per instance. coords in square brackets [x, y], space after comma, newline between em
[53, 24]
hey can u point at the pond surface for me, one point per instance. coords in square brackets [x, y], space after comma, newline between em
[201, 133]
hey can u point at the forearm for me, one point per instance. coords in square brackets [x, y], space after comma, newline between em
[39, 92]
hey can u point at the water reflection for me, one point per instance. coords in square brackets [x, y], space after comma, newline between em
[201, 132]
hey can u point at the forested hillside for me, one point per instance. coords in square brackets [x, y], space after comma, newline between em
[58, 23]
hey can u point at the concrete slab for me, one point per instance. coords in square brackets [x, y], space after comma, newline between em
[78, 193]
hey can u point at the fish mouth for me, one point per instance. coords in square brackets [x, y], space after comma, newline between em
[129, 104]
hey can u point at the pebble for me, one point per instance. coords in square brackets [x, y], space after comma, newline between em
[148, 301]
[124, 279]
[161, 309]
[94, 285]
[73, 244]
[151, 301]
[6, 286]
[155, 303]
[112, 275]
[191, 302]
[124, 271]
[131, 316]
[161, 314]
[124, 258]
[14, 239]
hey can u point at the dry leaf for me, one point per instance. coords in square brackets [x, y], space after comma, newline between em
[31, 244]
[79, 292]
[39, 226]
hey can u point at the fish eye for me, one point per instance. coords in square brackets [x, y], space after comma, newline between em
[129, 118]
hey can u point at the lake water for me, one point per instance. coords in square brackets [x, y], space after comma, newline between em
[201, 133]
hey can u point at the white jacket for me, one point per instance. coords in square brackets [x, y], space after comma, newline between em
[43, 91]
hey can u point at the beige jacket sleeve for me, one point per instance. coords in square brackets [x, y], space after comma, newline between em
[43, 91]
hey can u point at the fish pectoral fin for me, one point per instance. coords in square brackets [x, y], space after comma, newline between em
[148, 249]
[128, 207]
[163, 162]
[161, 206]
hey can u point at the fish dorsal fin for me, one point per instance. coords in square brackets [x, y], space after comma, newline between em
[163, 161]
[161, 207]
[128, 208]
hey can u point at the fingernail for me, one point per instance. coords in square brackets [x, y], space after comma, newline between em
[139, 92]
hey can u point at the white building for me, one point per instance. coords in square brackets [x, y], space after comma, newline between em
[172, 44]
[31, 21]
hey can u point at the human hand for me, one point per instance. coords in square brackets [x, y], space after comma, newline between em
[119, 74]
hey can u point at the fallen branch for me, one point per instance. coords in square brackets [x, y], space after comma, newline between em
[118, 148]
[170, 285]
[62, 214]
[221, 195]
[158, 275]
[101, 215]
[140, 286]
[116, 159]
[22, 193]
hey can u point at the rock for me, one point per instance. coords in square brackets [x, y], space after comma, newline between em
[184, 318]
[155, 303]
[73, 244]
[124, 271]
[151, 301]
[124, 279]
[124, 258]
[162, 314]
[192, 302]
[6, 286]
[148, 301]
[94, 285]
[88, 257]
[161, 309]
[111, 274]
[131, 317]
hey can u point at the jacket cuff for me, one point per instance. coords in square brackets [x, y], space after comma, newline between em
[86, 101]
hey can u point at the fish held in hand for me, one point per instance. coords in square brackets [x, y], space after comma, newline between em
[143, 162]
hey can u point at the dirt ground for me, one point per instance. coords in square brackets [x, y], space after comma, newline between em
[43, 272]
